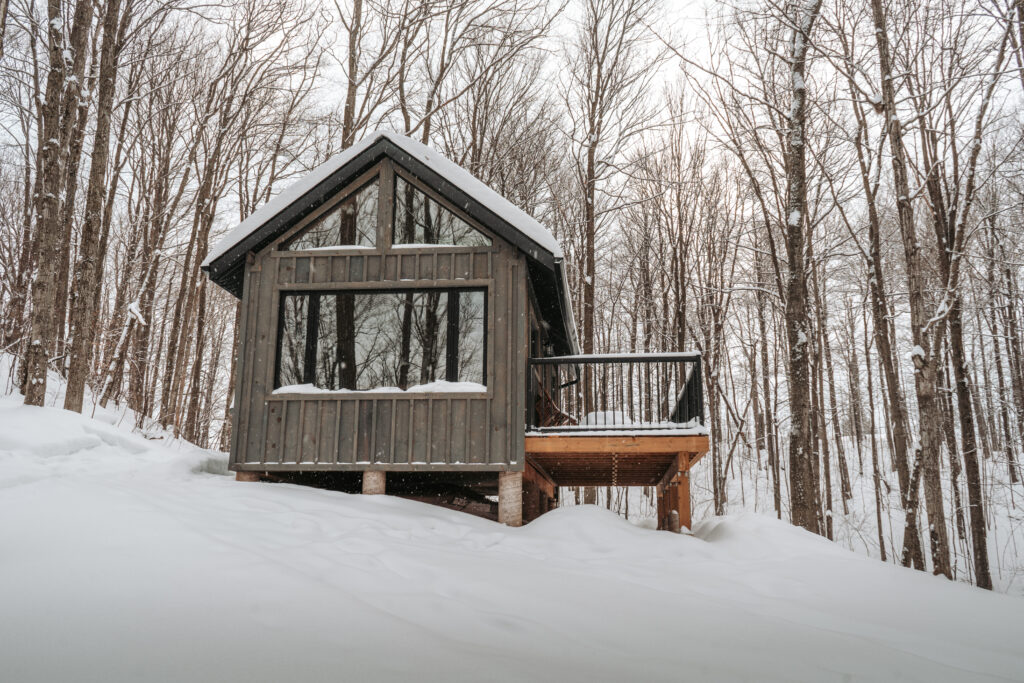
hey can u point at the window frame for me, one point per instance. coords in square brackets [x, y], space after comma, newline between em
[391, 226]
[312, 325]
[380, 171]
[386, 172]
[322, 212]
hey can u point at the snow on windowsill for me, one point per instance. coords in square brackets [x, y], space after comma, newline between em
[337, 247]
[438, 387]
[428, 245]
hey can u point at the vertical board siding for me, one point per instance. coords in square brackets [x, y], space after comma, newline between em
[292, 432]
[382, 443]
[355, 269]
[476, 433]
[275, 425]
[461, 263]
[310, 425]
[347, 432]
[327, 452]
[459, 425]
[364, 431]
[243, 369]
[402, 424]
[420, 416]
[439, 431]
[302, 270]
[321, 269]
[407, 268]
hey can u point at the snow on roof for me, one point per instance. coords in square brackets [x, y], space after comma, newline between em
[458, 176]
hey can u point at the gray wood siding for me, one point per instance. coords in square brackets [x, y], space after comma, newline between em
[394, 430]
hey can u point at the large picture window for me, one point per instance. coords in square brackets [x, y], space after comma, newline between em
[339, 340]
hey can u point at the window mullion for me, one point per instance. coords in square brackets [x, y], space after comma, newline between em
[385, 205]
[452, 360]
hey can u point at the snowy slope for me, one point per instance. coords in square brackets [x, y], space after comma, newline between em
[126, 559]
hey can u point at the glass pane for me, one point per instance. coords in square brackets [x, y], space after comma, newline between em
[420, 220]
[292, 345]
[374, 340]
[353, 222]
[471, 348]
[401, 338]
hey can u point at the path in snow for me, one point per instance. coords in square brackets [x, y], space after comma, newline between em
[122, 559]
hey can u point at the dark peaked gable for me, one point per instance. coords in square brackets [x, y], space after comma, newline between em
[226, 263]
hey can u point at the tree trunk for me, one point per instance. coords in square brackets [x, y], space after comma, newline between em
[42, 334]
[929, 445]
[972, 467]
[803, 485]
[875, 476]
[89, 269]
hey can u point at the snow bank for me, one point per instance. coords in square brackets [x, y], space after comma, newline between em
[129, 559]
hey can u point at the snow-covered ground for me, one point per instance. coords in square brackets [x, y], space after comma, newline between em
[129, 559]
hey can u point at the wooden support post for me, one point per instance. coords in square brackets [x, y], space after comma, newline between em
[674, 496]
[683, 496]
[247, 476]
[661, 507]
[510, 498]
[531, 500]
[373, 482]
[538, 492]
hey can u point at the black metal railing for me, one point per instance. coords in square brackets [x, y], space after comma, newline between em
[640, 391]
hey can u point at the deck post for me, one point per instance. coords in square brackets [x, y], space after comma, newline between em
[673, 521]
[661, 506]
[510, 498]
[247, 476]
[683, 496]
[373, 482]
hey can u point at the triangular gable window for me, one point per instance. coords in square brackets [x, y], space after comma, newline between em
[353, 222]
[419, 220]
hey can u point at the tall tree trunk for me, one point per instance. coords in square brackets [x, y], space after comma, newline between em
[89, 269]
[876, 479]
[42, 334]
[195, 382]
[929, 410]
[225, 434]
[802, 483]
[762, 327]
[972, 466]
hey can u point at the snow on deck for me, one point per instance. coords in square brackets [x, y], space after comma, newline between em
[125, 559]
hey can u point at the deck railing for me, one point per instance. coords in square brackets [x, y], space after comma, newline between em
[615, 392]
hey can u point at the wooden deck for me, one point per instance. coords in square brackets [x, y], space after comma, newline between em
[659, 459]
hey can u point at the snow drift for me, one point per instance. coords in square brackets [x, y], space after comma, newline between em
[129, 559]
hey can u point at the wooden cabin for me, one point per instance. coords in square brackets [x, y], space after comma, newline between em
[405, 328]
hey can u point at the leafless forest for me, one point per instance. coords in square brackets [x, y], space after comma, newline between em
[825, 198]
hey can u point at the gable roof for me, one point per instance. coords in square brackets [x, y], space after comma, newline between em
[225, 263]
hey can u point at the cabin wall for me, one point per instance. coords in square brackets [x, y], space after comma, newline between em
[387, 431]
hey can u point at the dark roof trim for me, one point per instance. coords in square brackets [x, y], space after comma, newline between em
[226, 270]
